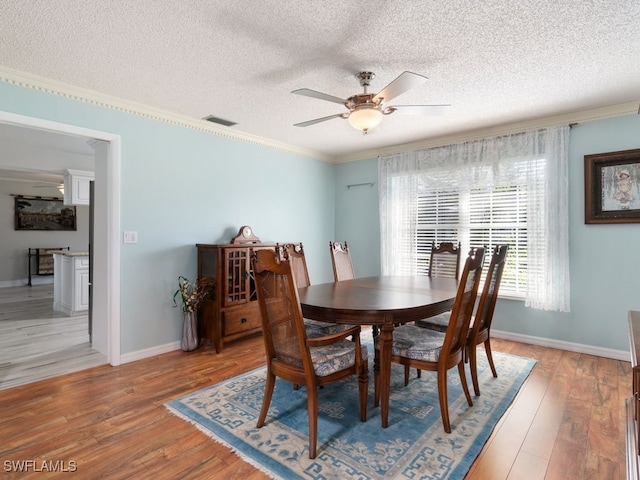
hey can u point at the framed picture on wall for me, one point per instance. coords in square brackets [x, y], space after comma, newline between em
[39, 213]
[612, 187]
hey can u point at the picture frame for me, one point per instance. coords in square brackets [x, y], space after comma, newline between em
[41, 213]
[612, 187]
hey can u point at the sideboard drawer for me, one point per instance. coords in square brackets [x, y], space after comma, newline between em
[241, 319]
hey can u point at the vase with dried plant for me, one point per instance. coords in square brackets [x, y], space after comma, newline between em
[191, 296]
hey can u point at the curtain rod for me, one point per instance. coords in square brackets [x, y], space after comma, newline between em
[371, 184]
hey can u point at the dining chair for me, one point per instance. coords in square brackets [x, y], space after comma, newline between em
[480, 326]
[426, 349]
[291, 354]
[341, 261]
[444, 260]
[343, 267]
[295, 253]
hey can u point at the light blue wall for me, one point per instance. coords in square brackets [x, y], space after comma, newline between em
[605, 283]
[357, 217]
[180, 187]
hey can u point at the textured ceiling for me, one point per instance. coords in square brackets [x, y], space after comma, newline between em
[495, 62]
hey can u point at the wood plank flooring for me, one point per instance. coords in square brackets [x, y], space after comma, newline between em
[36, 342]
[567, 421]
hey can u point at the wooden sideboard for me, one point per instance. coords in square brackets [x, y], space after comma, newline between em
[231, 311]
[633, 403]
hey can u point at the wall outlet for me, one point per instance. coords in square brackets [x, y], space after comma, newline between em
[130, 237]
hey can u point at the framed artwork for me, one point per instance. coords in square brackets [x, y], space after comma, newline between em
[612, 187]
[39, 213]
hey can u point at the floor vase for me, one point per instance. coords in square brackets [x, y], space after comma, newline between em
[189, 332]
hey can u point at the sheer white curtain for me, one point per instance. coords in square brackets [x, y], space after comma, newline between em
[537, 159]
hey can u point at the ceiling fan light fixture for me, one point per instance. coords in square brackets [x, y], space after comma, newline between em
[365, 110]
[365, 118]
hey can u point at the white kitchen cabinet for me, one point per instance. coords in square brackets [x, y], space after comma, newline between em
[76, 187]
[71, 282]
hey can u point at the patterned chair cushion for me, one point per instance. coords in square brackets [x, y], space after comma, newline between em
[316, 328]
[331, 358]
[326, 359]
[416, 343]
[439, 322]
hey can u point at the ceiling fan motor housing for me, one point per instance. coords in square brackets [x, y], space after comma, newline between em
[365, 78]
[360, 100]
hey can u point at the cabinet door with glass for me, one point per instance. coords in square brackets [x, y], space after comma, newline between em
[231, 311]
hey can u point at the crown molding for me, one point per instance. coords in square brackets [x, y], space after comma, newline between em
[66, 90]
[26, 180]
[505, 129]
[54, 87]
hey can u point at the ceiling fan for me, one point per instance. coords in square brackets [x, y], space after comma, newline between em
[366, 110]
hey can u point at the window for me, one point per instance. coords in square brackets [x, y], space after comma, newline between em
[477, 217]
[438, 221]
[509, 189]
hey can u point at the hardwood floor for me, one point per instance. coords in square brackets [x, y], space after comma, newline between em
[36, 342]
[567, 421]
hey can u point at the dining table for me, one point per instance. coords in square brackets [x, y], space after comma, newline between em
[382, 302]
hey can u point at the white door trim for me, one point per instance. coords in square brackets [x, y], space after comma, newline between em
[107, 292]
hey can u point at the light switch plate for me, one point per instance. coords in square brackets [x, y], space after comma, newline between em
[130, 237]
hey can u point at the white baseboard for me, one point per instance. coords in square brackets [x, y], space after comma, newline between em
[515, 337]
[149, 352]
[23, 282]
[562, 345]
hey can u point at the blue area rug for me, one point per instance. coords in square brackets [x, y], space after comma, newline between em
[414, 446]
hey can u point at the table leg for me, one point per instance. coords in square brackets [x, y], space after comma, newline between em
[386, 341]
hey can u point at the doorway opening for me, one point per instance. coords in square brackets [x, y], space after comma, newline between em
[105, 243]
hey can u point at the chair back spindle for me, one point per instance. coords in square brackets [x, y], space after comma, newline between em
[341, 261]
[444, 260]
[456, 333]
[489, 296]
[283, 329]
[295, 253]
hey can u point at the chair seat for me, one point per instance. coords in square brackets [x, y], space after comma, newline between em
[326, 359]
[415, 342]
[439, 322]
[338, 356]
[316, 328]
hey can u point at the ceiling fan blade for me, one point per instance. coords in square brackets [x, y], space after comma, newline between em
[318, 120]
[429, 110]
[403, 82]
[47, 185]
[319, 95]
